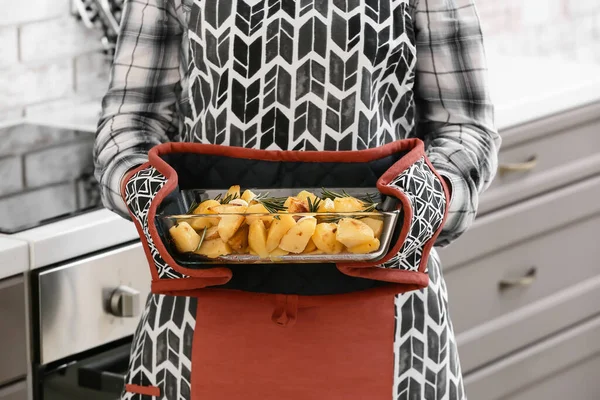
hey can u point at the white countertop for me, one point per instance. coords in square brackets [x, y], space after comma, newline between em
[523, 89]
[14, 256]
[526, 89]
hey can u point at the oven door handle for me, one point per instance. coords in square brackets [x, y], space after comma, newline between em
[99, 375]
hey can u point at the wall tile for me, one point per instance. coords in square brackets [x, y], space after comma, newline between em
[57, 38]
[58, 164]
[92, 74]
[11, 171]
[19, 11]
[9, 46]
[26, 84]
[19, 139]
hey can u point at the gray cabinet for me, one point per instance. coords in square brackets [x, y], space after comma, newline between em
[524, 281]
[13, 339]
[16, 391]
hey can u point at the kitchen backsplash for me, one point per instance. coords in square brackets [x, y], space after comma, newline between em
[47, 56]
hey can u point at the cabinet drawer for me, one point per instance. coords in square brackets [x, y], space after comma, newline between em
[17, 391]
[522, 167]
[505, 378]
[577, 383]
[506, 334]
[516, 224]
[560, 259]
[13, 346]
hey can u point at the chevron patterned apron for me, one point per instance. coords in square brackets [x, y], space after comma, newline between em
[324, 89]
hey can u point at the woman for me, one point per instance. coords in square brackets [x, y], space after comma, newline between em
[302, 75]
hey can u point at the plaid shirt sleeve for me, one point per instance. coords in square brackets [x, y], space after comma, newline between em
[456, 116]
[138, 111]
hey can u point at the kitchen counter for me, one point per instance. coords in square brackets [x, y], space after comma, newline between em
[14, 257]
[76, 236]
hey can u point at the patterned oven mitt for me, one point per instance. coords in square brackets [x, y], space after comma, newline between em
[399, 169]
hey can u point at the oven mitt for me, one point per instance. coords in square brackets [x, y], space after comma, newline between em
[399, 170]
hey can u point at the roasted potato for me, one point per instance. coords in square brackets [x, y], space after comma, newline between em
[348, 204]
[325, 238]
[248, 196]
[229, 225]
[278, 253]
[353, 232]
[229, 209]
[233, 192]
[257, 208]
[239, 241]
[214, 248]
[257, 238]
[211, 233]
[305, 195]
[185, 237]
[365, 248]
[295, 205]
[205, 207]
[326, 206]
[279, 227]
[375, 224]
[310, 247]
[296, 239]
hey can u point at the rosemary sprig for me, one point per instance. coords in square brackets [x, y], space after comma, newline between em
[218, 197]
[272, 204]
[201, 239]
[229, 198]
[313, 206]
[329, 194]
[193, 206]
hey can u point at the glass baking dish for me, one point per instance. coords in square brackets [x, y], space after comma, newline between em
[224, 236]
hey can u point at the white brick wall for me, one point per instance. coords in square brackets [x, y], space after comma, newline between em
[567, 29]
[46, 55]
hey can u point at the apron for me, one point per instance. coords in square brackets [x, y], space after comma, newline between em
[275, 106]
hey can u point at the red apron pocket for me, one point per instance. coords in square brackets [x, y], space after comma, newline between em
[334, 350]
[143, 390]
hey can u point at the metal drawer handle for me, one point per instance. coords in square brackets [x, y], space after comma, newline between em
[519, 167]
[525, 280]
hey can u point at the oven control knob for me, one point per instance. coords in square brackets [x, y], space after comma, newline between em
[125, 302]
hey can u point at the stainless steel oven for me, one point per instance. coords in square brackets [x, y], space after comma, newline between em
[84, 313]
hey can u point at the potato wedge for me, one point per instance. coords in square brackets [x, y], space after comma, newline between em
[325, 238]
[305, 195]
[326, 205]
[211, 233]
[310, 247]
[214, 248]
[278, 253]
[279, 227]
[257, 208]
[365, 248]
[229, 209]
[296, 239]
[233, 192]
[239, 241]
[185, 237]
[353, 232]
[375, 224]
[199, 223]
[204, 207]
[229, 225]
[248, 196]
[348, 204]
[297, 206]
[257, 238]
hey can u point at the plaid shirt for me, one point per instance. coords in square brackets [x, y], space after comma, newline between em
[455, 114]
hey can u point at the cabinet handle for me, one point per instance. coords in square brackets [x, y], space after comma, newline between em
[519, 167]
[523, 281]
